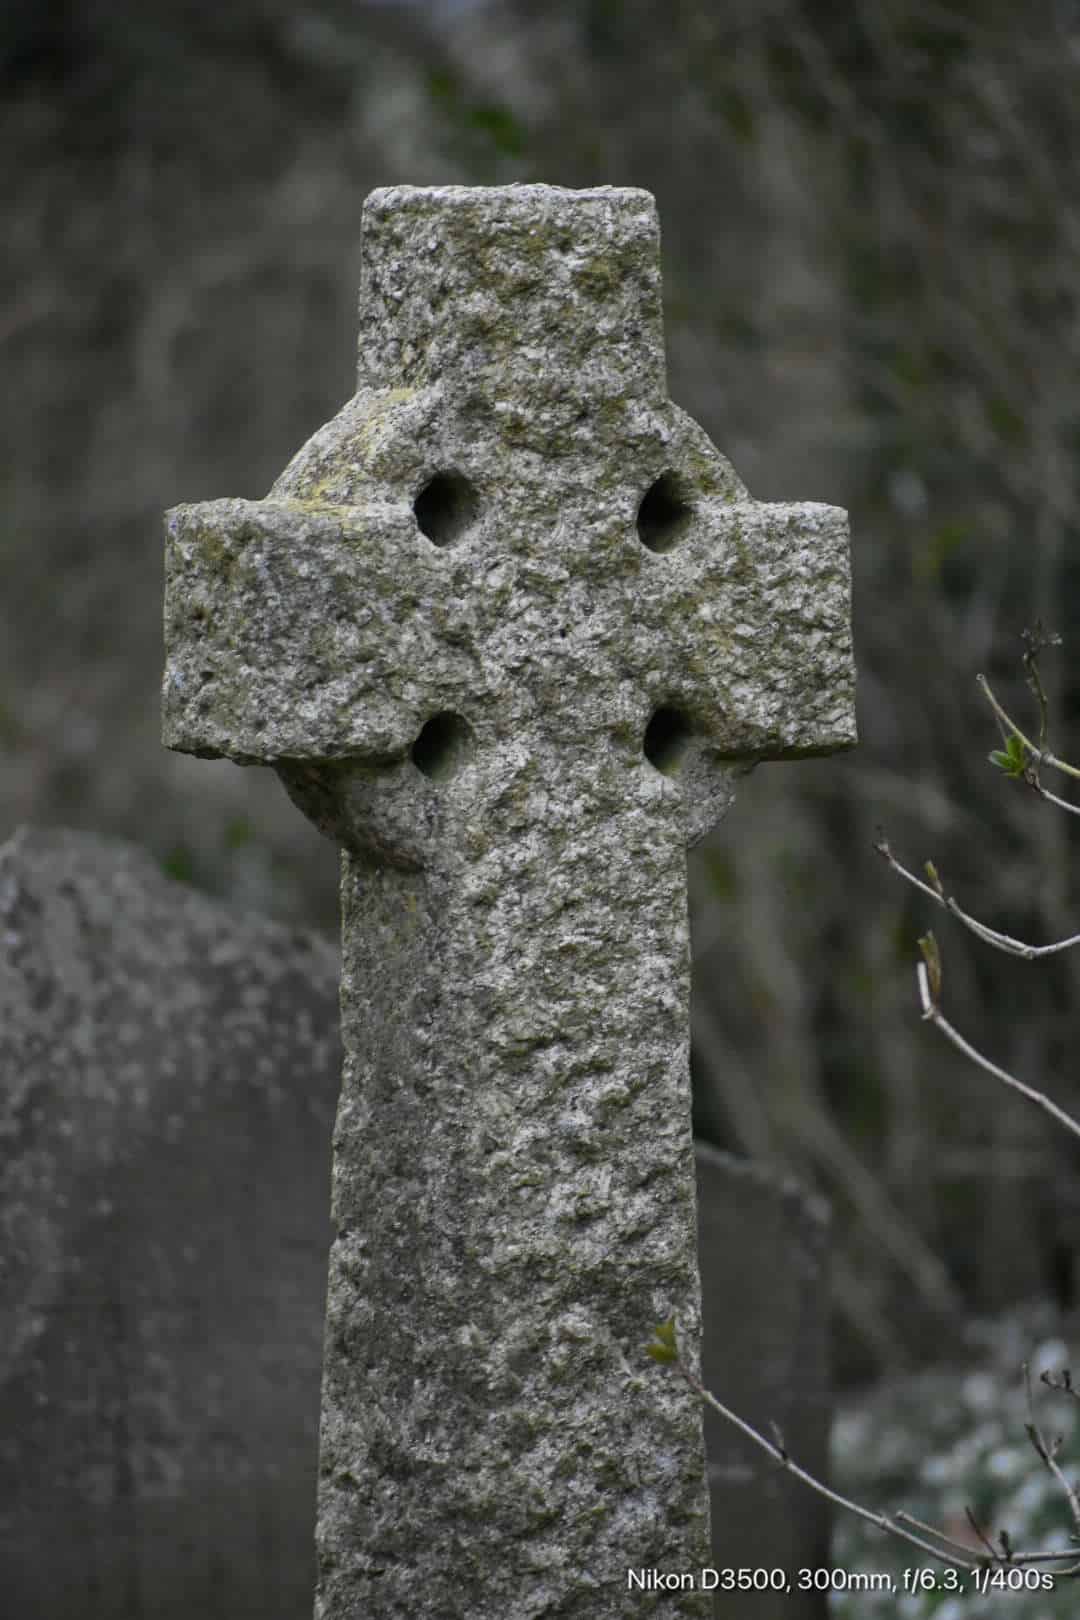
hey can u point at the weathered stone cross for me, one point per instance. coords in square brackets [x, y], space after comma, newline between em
[508, 628]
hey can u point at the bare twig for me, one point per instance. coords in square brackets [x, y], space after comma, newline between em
[1047, 1451]
[932, 1012]
[1001, 942]
[1034, 642]
[980, 1532]
[1063, 1385]
[1051, 798]
[1016, 763]
[960, 1557]
[951, 1551]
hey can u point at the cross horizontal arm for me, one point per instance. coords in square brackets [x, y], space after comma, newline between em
[755, 623]
[302, 631]
[299, 632]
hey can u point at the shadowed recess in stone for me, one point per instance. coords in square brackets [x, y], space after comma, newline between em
[445, 508]
[664, 514]
[442, 746]
[667, 738]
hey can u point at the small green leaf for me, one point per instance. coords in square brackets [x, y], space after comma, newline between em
[1013, 761]
[935, 882]
[663, 1347]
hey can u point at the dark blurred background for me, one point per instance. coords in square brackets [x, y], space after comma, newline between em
[871, 253]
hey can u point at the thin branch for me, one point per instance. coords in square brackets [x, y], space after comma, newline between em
[960, 1559]
[1041, 756]
[1048, 1452]
[980, 1532]
[1034, 642]
[928, 974]
[952, 1552]
[933, 1014]
[1001, 942]
[1063, 1385]
[1052, 798]
[903, 1517]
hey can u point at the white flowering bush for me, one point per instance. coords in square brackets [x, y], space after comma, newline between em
[940, 1442]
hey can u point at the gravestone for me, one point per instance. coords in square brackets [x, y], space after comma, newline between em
[169, 1072]
[160, 1340]
[763, 1244]
[508, 628]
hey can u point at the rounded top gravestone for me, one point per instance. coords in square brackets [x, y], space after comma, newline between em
[168, 1077]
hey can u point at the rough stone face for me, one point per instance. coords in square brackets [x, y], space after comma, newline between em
[763, 1245]
[168, 1077]
[509, 627]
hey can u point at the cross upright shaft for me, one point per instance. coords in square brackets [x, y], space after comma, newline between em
[508, 628]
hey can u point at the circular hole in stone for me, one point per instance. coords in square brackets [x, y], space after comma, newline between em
[442, 746]
[445, 508]
[664, 514]
[667, 737]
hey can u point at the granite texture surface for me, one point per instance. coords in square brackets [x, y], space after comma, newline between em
[509, 628]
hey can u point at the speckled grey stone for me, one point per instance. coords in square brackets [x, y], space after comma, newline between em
[509, 628]
[168, 1077]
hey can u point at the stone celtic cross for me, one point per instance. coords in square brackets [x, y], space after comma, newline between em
[508, 628]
